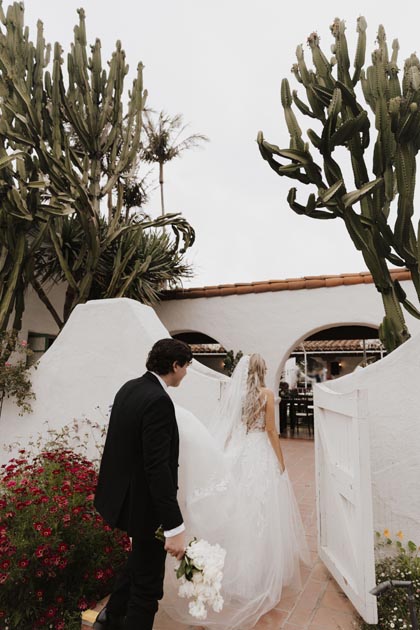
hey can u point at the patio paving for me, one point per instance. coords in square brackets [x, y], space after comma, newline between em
[320, 605]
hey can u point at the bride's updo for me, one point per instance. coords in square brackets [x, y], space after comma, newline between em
[254, 398]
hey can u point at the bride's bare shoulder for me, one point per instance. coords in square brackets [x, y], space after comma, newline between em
[267, 392]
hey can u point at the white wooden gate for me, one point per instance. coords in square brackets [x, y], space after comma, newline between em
[344, 495]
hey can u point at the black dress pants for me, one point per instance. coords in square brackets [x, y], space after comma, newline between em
[140, 585]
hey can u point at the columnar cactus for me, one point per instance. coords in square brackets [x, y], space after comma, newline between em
[331, 94]
[80, 139]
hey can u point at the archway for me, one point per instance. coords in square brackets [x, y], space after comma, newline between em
[324, 354]
[205, 349]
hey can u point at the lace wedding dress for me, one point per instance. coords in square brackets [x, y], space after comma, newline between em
[231, 492]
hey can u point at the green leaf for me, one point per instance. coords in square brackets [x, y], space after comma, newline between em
[10, 158]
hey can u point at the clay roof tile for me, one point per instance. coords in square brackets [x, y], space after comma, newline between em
[289, 284]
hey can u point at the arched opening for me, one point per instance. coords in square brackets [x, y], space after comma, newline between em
[324, 354]
[205, 349]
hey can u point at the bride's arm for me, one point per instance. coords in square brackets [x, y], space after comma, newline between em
[270, 427]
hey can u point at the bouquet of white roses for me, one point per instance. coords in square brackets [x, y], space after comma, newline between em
[200, 573]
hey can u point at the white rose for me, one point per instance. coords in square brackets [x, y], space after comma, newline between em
[218, 603]
[198, 578]
[186, 589]
[197, 609]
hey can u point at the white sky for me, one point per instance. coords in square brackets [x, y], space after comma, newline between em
[220, 63]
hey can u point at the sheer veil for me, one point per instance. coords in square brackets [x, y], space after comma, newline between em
[226, 424]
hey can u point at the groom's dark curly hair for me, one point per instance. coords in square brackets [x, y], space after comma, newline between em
[164, 354]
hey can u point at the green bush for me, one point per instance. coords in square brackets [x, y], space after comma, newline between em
[396, 561]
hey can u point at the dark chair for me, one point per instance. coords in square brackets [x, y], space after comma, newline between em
[303, 415]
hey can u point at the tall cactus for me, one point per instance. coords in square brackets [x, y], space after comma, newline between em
[81, 135]
[331, 94]
[25, 205]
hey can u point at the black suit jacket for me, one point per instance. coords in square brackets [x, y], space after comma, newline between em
[138, 477]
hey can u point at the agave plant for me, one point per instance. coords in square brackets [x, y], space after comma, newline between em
[138, 263]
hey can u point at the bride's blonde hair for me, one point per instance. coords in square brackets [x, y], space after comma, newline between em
[254, 398]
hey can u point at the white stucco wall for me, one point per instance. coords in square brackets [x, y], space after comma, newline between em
[104, 344]
[393, 399]
[273, 323]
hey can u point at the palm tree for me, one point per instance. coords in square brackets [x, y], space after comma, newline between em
[165, 143]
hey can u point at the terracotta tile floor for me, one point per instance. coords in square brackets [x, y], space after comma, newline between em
[320, 605]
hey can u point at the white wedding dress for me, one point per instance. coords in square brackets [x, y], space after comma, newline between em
[236, 496]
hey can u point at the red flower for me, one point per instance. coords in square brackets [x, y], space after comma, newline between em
[23, 563]
[39, 551]
[82, 604]
[39, 594]
[5, 564]
[3, 577]
[38, 526]
[47, 532]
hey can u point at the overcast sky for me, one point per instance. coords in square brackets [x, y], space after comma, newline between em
[220, 63]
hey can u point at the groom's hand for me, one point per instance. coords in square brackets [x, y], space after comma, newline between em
[175, 545]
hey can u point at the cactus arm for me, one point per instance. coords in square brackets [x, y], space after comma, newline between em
[359, 58]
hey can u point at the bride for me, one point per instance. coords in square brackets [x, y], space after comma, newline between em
[235, 491]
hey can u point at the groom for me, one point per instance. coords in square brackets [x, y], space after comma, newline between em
[137, 485]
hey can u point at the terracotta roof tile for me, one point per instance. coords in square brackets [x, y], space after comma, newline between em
[289, 284]
[337, 345]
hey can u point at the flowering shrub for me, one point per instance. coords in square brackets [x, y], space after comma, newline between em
[14, 376]
[57, 556]
[396, 561]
